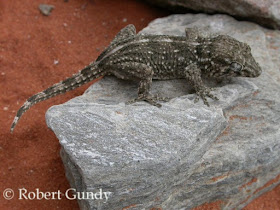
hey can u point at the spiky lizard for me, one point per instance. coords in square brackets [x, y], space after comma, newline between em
[143, 58]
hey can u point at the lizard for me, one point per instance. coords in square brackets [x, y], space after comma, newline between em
[145, 57]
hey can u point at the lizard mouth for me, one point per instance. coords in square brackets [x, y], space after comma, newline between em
[253, 70]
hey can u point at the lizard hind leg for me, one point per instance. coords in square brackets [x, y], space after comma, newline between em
[142, 73]
[144, 95]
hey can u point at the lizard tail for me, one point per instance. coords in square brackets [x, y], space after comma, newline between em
[87, 74]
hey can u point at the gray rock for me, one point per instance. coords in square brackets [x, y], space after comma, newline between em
[46, 9]
[265, 12]
[183, 154]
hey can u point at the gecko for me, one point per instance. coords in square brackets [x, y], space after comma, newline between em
[145, 57]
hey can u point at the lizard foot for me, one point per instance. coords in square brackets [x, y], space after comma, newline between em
[153, 100]
[202, 93]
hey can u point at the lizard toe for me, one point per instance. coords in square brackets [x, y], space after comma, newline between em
[203, 94]
[149, 99]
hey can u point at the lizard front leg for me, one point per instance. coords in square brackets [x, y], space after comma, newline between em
[193, 75]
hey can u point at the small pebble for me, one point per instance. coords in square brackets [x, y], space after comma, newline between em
[46, 9]
[55, 62]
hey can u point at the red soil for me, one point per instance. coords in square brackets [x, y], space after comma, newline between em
[74, 34]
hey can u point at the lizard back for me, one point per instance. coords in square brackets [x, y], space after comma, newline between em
[167, 55]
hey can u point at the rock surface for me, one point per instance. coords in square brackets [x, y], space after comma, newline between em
[265, 12]
[183, 154]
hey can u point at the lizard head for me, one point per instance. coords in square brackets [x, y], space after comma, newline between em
[228, 57]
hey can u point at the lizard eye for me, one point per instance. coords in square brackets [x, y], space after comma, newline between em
[234, 66]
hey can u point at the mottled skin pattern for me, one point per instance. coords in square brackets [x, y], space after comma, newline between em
[142, 58]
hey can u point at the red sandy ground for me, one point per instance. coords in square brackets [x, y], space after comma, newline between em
[74, 34]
